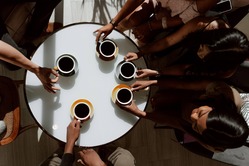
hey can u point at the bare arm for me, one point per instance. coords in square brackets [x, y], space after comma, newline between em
[204, 5]
[13, 56]
[192, 26]
[127, 9]
[73, 131]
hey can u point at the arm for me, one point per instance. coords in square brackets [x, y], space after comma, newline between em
[73, 131]
[11, 55]
[190, 27]
[128, 7]
[204, 5]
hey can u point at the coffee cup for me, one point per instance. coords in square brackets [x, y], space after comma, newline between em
[126, 71]
[124, 96]
[82, 110]
[107, 50]
[66, 65]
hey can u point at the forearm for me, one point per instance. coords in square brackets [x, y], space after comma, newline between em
[11, 55]
[127, 9]
[155, 46]
[69, 147]
[183, 83]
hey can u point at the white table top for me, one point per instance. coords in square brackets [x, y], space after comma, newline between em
[94, 81]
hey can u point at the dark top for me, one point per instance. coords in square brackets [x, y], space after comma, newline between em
[67, 159]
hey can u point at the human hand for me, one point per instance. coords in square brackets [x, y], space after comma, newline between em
[106, 30]
[133, 109]
[43, 74]
[141, 84]
[143, 73]
[89, 157]
[73, 131]
[131, 56]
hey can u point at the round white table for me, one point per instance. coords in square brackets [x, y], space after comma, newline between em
[94, 81]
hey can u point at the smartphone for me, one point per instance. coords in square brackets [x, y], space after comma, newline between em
[222, 6]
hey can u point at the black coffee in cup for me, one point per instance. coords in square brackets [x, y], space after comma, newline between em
[124, 95]
[66, 64]
[127, 69]
[81, 110]
[107, 48]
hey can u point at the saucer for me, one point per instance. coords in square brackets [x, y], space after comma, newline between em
[115, 90]
[117, 71]
[75, 69]
[82, 101]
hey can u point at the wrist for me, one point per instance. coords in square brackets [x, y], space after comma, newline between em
[139, 54]
[114, 23]
[69, 147]
[35, 69]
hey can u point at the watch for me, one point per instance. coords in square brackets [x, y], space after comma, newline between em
[113, 23]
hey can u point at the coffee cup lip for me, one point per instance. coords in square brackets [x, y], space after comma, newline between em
[74, 68]
[85, 101]
[124, 103]
[133, 75]
[114, 44]
[84, 118]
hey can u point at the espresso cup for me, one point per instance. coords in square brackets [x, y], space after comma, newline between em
[126, 71]
[81, 110]
[107, 50]
[124, 96]
[66, 65]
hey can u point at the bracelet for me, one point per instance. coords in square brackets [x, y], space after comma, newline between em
[114, 24]
[150, 28]
[164, 23]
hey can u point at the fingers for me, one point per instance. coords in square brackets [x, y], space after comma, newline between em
[98, 35]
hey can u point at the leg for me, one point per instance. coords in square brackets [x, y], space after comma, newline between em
[122, 157]
[40, 17]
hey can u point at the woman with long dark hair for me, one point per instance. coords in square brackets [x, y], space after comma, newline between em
[212, 115]
[207, 47]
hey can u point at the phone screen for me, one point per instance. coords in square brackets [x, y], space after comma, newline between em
[222, 6]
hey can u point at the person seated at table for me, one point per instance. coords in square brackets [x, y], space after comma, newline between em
[11, 53]
[209, 51]
[115, 156]
[213, 112]
[147, 17]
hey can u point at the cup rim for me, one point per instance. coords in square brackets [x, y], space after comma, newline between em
[87, 116]
[124, 103]
[85, 101]
[69, 56]
[133, 75]
[115, 48]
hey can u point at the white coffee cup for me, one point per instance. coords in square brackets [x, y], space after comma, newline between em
[107, 49]
[126, 71]
[82, 110]
[66, 65]
[124, 96]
